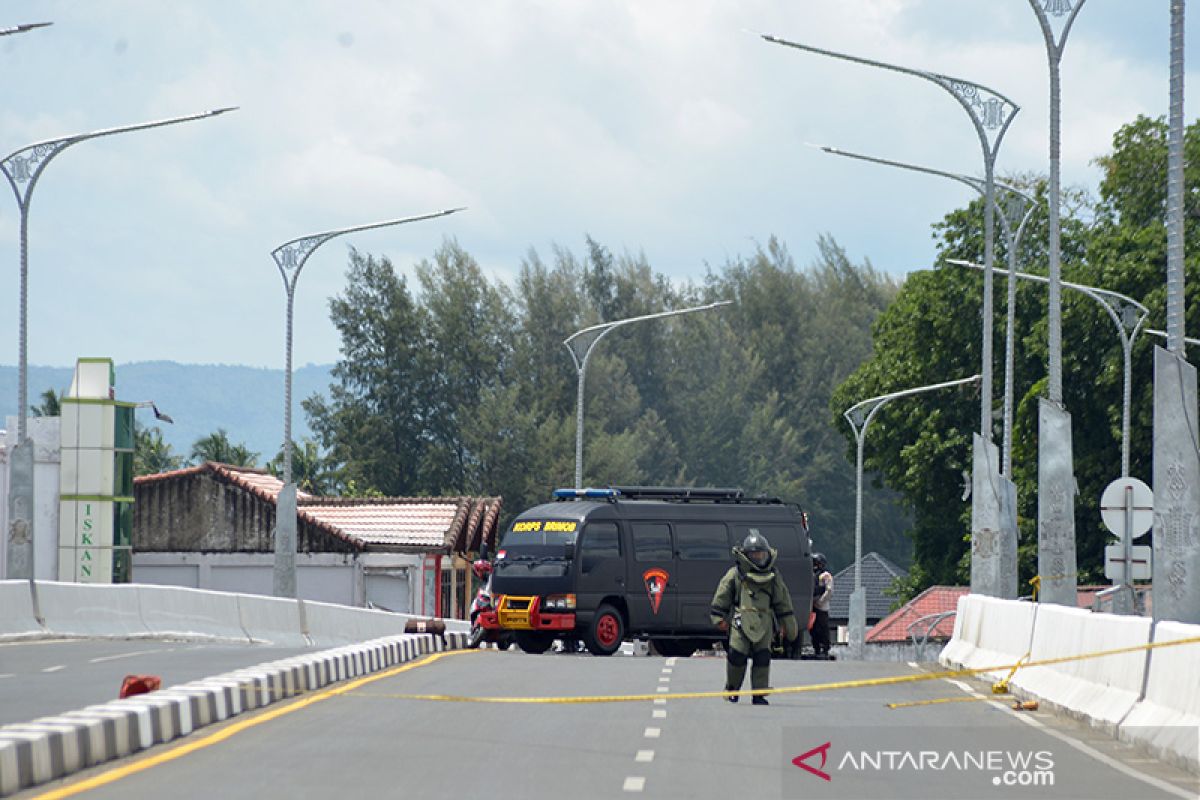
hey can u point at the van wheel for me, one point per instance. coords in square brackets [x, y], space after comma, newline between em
[534, 643]
[604, 636]
[674, 648]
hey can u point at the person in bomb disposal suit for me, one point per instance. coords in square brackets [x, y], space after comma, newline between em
[750, 596]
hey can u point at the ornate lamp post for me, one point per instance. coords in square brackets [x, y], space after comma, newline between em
[23, 168]
[859, 416]
[990, 113]
[1128, 315]
[290, 257]
[1176, 567]
[582, 342]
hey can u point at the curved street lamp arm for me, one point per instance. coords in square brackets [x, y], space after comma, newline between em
[23, 167]
[23, 28]
[293, 254]
[987, 113]
[1105, 297]
[585, 339]
[854, 414]
[978, 184]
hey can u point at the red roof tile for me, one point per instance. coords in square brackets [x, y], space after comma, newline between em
[934, 600]
[433, 523]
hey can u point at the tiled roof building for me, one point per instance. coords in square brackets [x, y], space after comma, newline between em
[211, 526]
[877, 576]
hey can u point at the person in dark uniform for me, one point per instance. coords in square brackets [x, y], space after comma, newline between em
[749, 598]
[822, 592]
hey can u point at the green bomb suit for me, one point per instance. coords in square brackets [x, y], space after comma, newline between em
[749, 598]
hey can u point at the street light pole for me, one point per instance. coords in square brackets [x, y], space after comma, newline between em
[1056, 472]
[1128, 315]
[582, 342]
[1176, 563]
[290, 257]
[1022, 211]
[23, 168]
[859, 416]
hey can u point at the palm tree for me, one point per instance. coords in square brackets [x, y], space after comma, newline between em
[312, 472]
[217, 447]
[151, 454]
[51, 405]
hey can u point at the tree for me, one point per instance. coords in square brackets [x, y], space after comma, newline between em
[217, 447]
[50, 405]
[151, 454]
[312, 472]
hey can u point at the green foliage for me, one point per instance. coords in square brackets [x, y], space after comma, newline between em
[466, 388]
[50, 405]
[217, 447]
[312, 472]
[931, 334]
[151, 454]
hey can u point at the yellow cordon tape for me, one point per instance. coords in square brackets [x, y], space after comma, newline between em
[891, 680]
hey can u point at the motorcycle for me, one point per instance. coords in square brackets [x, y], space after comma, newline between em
[485, 602]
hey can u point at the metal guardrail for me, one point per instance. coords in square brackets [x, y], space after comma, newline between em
[931, 622]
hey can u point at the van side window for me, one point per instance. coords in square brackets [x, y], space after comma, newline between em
[702, 541]
[652, 541]
[600, 541]
[784, 538]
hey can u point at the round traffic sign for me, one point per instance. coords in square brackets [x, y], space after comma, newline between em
[1127, 492]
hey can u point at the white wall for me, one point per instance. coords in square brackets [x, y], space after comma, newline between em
[325, 577]
[45, 434]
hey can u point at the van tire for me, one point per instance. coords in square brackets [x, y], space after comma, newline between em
[604, 635]
[533, 643]
[675, 648]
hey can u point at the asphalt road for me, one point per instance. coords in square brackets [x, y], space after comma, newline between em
[44, 677]
[370, 743]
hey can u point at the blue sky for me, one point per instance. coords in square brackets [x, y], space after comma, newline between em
[659, 127]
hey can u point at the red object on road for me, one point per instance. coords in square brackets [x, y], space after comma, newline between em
[139, 684]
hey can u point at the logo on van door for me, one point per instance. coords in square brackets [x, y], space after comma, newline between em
[656, 583]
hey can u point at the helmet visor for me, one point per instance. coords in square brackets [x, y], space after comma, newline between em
[758, 558]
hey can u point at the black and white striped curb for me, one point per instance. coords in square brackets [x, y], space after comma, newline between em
[52, 747]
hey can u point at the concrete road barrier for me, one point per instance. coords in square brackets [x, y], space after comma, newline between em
[1100, 691]
[16, 611]
[966, 632]
[330, 625]
[191, 613]
[1166, 721]
[1003, 636]
[83, 609]
[45, 749]
[271, 620]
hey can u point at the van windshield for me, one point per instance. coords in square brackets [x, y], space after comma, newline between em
[540, 535]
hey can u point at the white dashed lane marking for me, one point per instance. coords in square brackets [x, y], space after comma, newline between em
[54, 669]
[128, 655]
[633, 784]
[664, 688]
[653, 733]
[661, 701]
[644, 756]
[660, 713]
[664, 679]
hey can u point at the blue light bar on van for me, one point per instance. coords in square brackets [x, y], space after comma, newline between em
[597, 494]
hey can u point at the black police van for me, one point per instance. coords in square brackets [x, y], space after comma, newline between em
[605, 565]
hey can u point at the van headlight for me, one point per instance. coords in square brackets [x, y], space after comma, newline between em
[559, 602]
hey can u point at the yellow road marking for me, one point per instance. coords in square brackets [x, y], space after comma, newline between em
[939, 701]
[890, 680]
[124, 771]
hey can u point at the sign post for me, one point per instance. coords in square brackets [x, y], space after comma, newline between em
[1127, 509]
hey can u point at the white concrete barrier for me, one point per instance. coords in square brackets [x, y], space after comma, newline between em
[1100, 691]
[965, 639]
[16, 611]
[190, 613]
[1167, 720]
[83, 609]
[1003, 636]
[271, 620]
[330, 625]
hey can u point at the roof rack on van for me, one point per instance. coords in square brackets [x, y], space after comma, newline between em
[686, 494]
